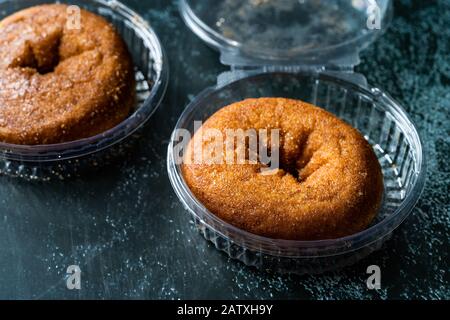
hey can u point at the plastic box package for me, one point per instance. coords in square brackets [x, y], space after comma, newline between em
[304, 50]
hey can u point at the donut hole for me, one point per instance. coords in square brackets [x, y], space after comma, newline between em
[297, 167]
[296, 154]
[290, 158]
[290, 164]
[43, 55]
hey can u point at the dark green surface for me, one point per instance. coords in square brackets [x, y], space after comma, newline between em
[133, 239]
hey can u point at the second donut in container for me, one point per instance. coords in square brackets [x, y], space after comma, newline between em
[328, 182]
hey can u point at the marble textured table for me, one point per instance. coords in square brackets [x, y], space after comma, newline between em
[132, 238]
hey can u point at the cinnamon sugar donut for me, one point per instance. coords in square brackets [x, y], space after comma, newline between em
[329, 183]
[60, 83]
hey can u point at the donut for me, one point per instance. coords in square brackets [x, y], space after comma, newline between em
[61, 80]
[328, 183]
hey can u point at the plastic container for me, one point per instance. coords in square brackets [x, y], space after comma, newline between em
[321, 75]
[64, 160]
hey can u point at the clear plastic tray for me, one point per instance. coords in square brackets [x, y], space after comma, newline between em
[45, 162]
[380, 119]
[303, 50]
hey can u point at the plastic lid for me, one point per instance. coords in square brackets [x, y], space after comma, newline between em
[300, 32]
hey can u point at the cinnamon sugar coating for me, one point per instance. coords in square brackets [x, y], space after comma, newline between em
[329, 184]
[59, 83]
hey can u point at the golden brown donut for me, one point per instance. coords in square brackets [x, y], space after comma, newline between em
[59, 83]
[329, 184]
